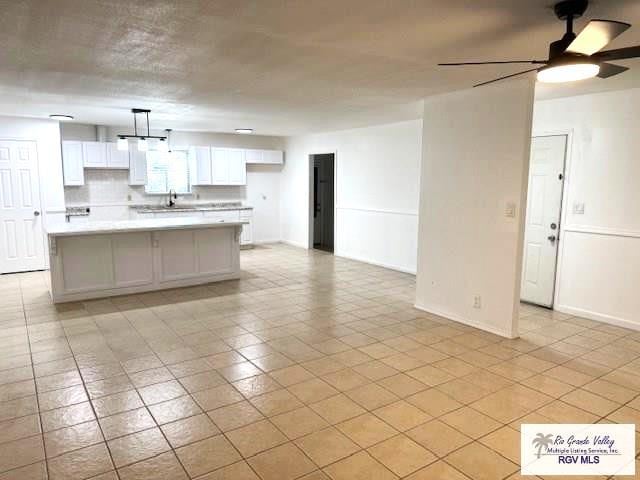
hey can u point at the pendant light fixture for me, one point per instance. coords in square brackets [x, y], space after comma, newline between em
[143, 145]
[163, 143]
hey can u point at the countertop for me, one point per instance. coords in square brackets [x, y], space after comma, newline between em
[179, 223]
[197, 207]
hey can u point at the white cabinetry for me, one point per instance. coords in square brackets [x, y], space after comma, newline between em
[117, 158]
[137, 168]
[200, 165]
[72, 164]
[270, 157]
[217, 166]
[246, 237]
[94, 154]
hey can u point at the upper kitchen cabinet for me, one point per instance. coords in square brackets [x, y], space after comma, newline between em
[217, 166]
[270, 157]
[72, 163]
[200, 165]
[137, 167]
[94, 154]
[117, 158]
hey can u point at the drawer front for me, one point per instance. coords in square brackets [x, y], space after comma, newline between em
[223, 215]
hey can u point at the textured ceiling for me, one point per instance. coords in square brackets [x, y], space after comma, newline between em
[278, 66]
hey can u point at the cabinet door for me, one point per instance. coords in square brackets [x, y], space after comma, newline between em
[137, 167]
[220, 166]
[253, 156]
[72, 164]
[94, 154]
[237, 167]
[117, 158]
[272, 156]
[246, 238]
[200, 161]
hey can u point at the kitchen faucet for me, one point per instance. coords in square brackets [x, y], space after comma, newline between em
[173, 196]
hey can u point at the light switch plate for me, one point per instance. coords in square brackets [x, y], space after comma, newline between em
[578, 208]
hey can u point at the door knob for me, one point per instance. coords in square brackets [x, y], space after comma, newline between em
[551, 238]
[36, 213]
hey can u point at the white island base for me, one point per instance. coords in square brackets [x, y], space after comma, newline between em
[105, 259]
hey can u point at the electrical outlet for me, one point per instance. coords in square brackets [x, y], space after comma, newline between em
[510, 210]
[578, 208]
[477, 301]
[128, 198]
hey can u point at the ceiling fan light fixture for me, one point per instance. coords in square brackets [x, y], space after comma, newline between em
[568, 72]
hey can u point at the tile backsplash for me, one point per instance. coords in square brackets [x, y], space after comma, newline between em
[111, 187]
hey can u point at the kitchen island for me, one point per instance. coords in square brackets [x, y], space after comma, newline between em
[104, 259]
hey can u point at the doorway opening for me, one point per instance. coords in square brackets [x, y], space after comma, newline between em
[321, 205]
[543, 217]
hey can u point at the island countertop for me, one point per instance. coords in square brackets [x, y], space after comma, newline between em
[150, 224]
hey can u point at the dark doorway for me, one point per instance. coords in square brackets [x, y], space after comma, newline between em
[322, 203]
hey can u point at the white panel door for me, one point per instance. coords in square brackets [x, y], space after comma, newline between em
[72, 163]
[117, 158]
[94, 154]
[237, 167]
[21, 236]
[542, 228]
[220, 166]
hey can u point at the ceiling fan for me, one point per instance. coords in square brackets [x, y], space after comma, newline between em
[575, 57]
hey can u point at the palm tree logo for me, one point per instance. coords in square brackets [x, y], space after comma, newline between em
[542, 441]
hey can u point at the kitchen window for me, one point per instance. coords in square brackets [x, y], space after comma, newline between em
[167, 171]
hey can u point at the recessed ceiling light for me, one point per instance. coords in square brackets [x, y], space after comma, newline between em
[244, 130]
[60, 117]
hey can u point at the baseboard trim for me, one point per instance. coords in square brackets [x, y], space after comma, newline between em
[295, 244]
[465, 321]
[377, 264]
[598, 317]
[266, 242]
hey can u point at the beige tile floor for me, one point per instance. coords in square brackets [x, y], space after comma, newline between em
[309, 367]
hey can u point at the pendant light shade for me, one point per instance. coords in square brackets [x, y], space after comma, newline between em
[143, 145]
[123, 144]
[162, 146]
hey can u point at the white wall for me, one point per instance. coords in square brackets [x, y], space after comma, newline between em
[107, 191]
[475, 160]
[599, 261]
[377, 172]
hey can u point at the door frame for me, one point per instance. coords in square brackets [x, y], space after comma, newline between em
[568, 133]
[43, 210]
[310, 205]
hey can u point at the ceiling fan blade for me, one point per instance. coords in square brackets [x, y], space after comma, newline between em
[491, 63]
[618, 54]
[596, 35]
[505, 77]
[609, 70]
